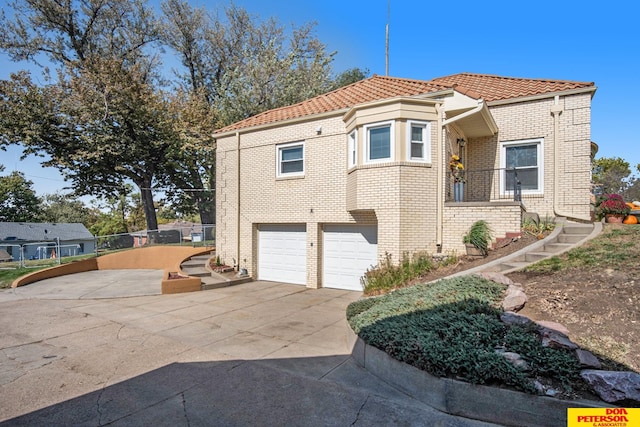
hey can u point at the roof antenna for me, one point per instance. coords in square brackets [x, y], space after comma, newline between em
[387, 39]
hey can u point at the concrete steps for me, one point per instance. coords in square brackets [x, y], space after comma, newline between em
[197, 266]
[565, 236]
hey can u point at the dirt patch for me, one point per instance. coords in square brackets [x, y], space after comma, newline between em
[465, 263]
[599, 307]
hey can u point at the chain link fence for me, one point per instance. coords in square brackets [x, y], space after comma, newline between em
[196, 235]
[53, 252]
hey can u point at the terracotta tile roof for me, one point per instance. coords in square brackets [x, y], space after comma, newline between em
[494, 88]
[485, 86]
[371, 89]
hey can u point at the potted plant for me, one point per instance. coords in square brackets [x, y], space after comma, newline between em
[613, 208]
[478, 238]
[457, 172]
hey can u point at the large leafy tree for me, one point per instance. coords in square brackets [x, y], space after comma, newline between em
[611, 174]
[65, 208]
[103, 118]
[232, 68]
[102, 121]
[18, 200]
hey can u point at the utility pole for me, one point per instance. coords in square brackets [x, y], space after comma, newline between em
[387, 38]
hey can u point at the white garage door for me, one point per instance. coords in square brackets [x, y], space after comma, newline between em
[282, 253]
[349, 250]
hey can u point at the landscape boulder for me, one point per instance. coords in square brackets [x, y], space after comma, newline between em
[554, 339]
[587, 359]
[496, 277]
[510, 318]
[613, 386]
[514, 298]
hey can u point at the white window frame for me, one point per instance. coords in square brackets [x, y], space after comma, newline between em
[391, 125]
[280, 148]
[539, 142]
[352, 148]
[426, 141]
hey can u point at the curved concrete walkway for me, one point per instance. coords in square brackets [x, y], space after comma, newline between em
[260, 353]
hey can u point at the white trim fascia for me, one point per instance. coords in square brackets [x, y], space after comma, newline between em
[542, 96]
[385, 101]
[439, 95]
[279, 123]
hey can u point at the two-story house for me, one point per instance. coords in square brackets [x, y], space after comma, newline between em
[317, 192]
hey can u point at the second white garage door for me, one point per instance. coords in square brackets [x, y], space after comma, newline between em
[282, 253]
[348, 251]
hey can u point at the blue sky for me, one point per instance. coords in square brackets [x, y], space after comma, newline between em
[570, 40]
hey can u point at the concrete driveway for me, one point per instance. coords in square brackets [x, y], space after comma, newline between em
[260, 353]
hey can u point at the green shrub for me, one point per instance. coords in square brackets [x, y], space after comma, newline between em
[452, 328]
[536, 228]
[360, 306]
[479, 235]
[389, 275]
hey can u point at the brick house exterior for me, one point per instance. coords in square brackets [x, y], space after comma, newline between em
[316, 192]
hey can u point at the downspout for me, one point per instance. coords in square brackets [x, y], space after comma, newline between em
[238, 205]
[440, 178]
[556, 109]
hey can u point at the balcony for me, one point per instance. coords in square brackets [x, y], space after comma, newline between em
[485, 185]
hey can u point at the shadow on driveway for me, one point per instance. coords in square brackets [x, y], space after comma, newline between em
[241, 393]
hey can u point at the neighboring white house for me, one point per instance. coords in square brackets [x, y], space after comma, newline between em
[45, 240]
[317, 192]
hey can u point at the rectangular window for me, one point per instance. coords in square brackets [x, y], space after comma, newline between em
[379, 142]
[522, 159]
[353, 149]
[419, 141]
[290, 159]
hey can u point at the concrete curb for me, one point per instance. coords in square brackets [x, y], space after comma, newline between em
[490, 404]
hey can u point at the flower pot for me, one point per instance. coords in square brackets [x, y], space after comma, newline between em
[458, 191]
[472, 251]
[614, 218]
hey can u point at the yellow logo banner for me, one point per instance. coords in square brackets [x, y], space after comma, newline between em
[603, 417]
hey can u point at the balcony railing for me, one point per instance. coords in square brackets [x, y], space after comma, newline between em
[485, 185]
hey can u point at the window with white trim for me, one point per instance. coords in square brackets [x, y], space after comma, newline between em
[419, 141]
[290, 159]
[380, 146]
[523, 159]
[353, 149]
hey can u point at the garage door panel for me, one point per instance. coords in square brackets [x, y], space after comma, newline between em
[349, 250]
[282, 253]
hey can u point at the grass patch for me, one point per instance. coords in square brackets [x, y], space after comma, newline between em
[452, 328]
[614, 248]
[7, 276]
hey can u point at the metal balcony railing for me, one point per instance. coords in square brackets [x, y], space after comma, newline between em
[484, 185]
